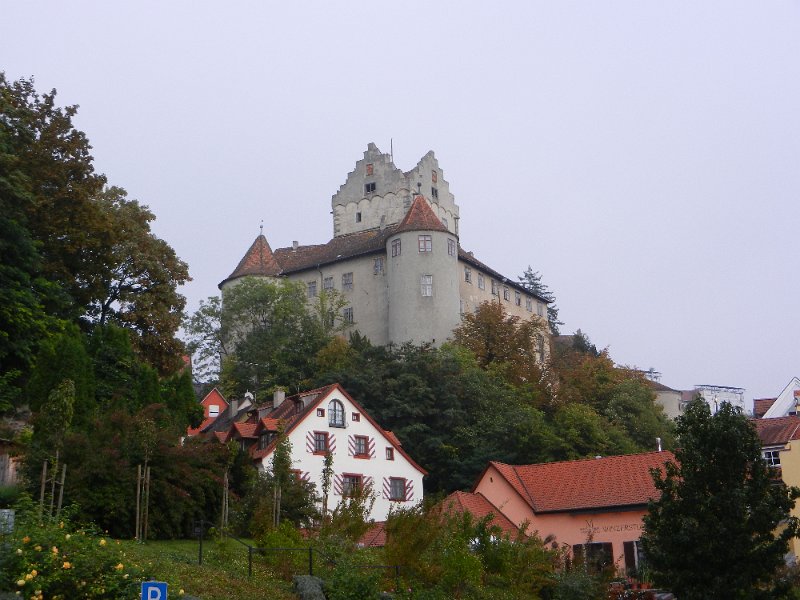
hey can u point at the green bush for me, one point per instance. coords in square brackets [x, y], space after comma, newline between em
[9, 494]
[60, 560]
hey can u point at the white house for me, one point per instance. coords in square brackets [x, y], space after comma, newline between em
[329, 420]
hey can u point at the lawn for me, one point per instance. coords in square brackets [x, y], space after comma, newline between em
[223, 574]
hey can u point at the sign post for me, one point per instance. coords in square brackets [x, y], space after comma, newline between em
[154, 590]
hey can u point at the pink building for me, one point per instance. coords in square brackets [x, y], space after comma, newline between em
[593, 507]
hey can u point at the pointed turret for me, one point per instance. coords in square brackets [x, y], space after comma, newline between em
[420, 217]
[258, 261]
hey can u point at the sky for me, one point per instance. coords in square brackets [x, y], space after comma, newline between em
[642, 156]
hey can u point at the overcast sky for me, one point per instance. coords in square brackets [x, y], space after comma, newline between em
[643, 156]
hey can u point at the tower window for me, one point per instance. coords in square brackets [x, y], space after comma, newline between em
[395, 247]
[426, 285]
[369, 188]
[358, 217]
[425, 243]
[451, 247]
[434, 193]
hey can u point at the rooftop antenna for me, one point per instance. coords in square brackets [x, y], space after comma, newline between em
[391, 149]
[261, 227]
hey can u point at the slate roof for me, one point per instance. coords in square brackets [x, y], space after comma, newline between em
[761, 406]
[479, 506]
[777, 431]
[593, 483]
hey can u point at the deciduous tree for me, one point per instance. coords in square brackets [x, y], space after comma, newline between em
[721, 526]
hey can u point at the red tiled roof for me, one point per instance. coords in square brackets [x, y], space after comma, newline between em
[420, 217]
[779, 430]
[195, 430]
[479, 506]
[222, 436]
[761, 406]
[392, 437]
[245, 430]
[375, 536]
[258, 260]
[591, 483]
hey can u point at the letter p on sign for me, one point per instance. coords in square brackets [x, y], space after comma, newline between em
[154, 590]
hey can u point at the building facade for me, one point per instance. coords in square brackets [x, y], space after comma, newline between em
[328, 421]
[395, 258]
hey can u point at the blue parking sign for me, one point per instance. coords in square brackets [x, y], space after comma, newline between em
[154, 590]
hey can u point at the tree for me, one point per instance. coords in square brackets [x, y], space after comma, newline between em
[721, 526]
[532, 281]
[265, 333]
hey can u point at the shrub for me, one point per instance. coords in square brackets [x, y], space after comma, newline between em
[309, 587]
[61, 560]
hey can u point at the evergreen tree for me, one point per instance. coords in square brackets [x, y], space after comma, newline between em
[721, 526]
[532, 281]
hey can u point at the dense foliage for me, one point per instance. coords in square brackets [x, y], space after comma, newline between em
[722, 524]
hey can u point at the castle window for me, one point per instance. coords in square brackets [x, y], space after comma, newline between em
[378, 266]
[529, 304]
[481, 282]
[347, 281]
[434, 176]
[397, 489]
[370, 168]
[369, 188]
[347, 314]
[517, 298]
[395, 247]
[540, 309]
[426, 285]
[358, 217]
[425, 243]
[451, 247]
[434, 193]
[506, 293]
[467, 274]
[444, 222]
[327, 283]
[495, 289]
[312, 289]
[335, 414]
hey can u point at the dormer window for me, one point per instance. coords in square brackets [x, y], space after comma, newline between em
[213, 410]
[335, 414]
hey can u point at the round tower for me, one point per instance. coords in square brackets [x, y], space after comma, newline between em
[422, 273]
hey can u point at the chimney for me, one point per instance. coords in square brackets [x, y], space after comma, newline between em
[295, 243]
[234, 407]
[278, 396]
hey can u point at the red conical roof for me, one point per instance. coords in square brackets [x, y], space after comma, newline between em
[420, 217]
[258, 260]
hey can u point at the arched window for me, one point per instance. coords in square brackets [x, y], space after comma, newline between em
[335, 414]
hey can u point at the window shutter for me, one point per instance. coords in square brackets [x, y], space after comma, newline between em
[310, 445]
[409, 490]
[351, 445]
[332, 443]
[387, 488]
[337, 485]
[371, 447]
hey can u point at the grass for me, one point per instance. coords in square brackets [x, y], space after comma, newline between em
[223, 574]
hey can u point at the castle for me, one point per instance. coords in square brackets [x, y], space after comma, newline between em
[395, 258]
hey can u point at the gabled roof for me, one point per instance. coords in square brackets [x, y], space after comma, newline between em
[778, 430]
[375, 536]
[593, 483]
[479, 506]
[214, 396]
[287, 412]
[786, 402]
[761, 406]
[420, 217]
[657, 386]
[258, 260]
[244, 430]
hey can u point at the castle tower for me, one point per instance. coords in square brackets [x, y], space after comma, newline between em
[422, 272]
[258, 261]
[377, 193]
